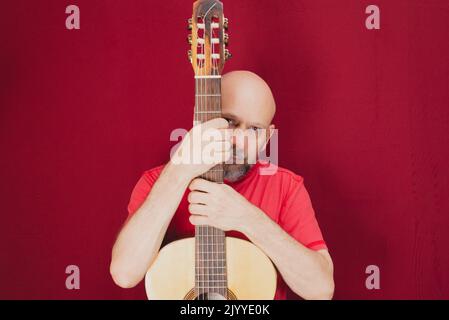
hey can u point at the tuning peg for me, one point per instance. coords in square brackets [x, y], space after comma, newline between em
[189, 39]
[225, 23]
[228, 55]
[226, 38]
[189, 54]
[189, 24]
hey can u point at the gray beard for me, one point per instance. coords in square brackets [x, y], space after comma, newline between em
[234, 172]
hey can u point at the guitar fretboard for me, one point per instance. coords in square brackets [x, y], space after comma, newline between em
[210, 250]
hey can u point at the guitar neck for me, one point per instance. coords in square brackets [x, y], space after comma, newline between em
[210, 271]
[208, 107]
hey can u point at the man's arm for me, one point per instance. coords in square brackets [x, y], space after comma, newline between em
[308, 273]
[140, 239]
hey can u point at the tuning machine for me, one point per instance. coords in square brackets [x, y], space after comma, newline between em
[189, 55]
[226, 39]
[189, 24]
[228, 55]
[225, 23]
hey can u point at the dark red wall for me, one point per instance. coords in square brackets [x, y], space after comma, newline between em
[363, 117]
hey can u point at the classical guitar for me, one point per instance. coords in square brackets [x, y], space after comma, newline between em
[210, 266]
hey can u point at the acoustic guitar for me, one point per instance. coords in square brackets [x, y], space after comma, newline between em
[210, 266]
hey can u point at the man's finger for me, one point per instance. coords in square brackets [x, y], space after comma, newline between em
[198, 197]
[203, 185]
[198, 220]
[198, 209]
[217, 123]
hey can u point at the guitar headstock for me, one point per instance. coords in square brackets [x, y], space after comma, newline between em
[208, 38]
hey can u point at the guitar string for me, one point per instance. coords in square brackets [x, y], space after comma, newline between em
[213, 262]
[214, 174]
[206, 109]
[218, 234]
[222, 237]
[200, 240]
[205, 283]
[198, 269]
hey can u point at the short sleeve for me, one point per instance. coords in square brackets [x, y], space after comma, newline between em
[141, 191]
[297, 216]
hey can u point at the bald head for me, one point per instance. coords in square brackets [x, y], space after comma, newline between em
[247, 98]
[247, 104]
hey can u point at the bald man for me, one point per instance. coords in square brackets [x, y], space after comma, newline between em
[272, 211]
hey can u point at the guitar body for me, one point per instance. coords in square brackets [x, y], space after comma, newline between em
[250, 274]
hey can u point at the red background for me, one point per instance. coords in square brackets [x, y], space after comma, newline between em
[363, 117]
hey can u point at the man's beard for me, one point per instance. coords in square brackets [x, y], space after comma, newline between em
[234, 172]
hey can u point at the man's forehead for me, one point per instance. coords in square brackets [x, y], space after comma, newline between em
[246, 95]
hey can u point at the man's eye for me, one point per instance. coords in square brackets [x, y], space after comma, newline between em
[254, 128]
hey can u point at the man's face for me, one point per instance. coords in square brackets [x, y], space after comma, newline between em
[249, 107]
[249, 113]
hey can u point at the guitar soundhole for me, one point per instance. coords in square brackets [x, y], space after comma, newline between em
[209, 296]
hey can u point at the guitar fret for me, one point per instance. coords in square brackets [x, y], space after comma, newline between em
[210, 253]
[211, 259]
[213, 245]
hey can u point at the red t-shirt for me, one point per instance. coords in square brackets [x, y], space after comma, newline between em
[282, 196]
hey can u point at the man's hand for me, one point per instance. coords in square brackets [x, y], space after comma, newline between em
[202, 148]
[220, 206]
